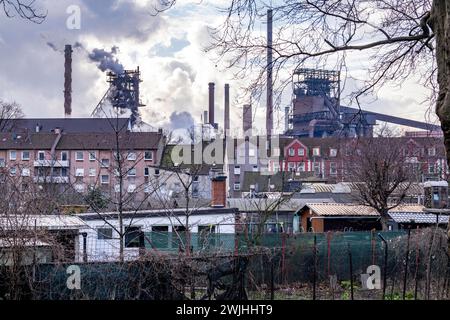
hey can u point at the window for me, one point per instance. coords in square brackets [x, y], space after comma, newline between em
[291, 152]
[40, 172]
[25, 155]
[132, 237]
[12, 155]
[316, 151]
[316, 167]
[24, 187]
[301, 166]
[64, 172]
[333, 168]
[156, 172]
[104, 179]
[251, 152]
[25, 172]
[255, 168]
[146, 172]
[431, 168]
[2, 163]
[79, 172]
[237, 170]
[131, 188]
[237, 186]
[79, 156]
[64, 156]
[105, 163]
[132, 172]
[431, 152]
[12, 171]
[301, 152]
[333, 152]
[160, 236]
[148, 155]
[291, 166]
[41, 155]
[91, 155]
[104, 233]
[79, 188]
[131, 156]
[92, 172]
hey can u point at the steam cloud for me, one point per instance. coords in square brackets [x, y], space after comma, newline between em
[106, 60]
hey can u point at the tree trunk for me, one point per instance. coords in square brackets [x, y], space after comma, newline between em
[440, 23]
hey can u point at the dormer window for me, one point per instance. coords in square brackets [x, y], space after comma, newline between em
[301, 152]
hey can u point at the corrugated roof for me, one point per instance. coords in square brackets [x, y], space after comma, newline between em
[338, 209]
[408, 208]
[411, 217]
[42, 221]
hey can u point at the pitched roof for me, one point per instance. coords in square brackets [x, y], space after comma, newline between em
[80, 141]
[338, 209]
[72, 125]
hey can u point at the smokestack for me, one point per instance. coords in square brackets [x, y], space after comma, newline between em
[269, 111]
[68, 80]
[286, 119]
[226, 124]
[211, 103]
[247, 118]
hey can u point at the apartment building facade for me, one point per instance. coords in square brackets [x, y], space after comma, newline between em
[83, 161]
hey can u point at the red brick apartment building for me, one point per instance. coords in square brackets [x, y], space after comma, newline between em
[82, 160]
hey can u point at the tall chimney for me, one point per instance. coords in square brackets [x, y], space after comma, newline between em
[269, 111]
[226, 125]
[211, 103]
[68, 80]
[286, 119]
[247, 118]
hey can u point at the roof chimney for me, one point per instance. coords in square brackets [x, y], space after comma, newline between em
[219, 190]
[247, 118]
[211, 103]
[226, 124]
[68, 80]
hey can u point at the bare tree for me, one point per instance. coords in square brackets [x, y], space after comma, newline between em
[378, 170]
[25, 9]
[9, 112]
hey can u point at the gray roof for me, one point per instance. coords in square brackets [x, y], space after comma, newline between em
[80, 141]
[74, 125]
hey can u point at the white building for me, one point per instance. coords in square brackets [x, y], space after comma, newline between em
[159, 230]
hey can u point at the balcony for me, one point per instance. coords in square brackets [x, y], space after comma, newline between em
[56, 179]
[52, 163]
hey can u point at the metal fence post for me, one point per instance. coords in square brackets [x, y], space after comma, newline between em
[385, 263]
[314, 266]
[351, 269]
[406, 264]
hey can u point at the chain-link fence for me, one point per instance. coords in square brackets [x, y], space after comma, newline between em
[335, 265]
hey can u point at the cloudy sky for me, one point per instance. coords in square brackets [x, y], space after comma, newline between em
[168, 48]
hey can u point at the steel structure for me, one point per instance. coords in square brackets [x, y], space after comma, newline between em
[317, 112]
[122, 95]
